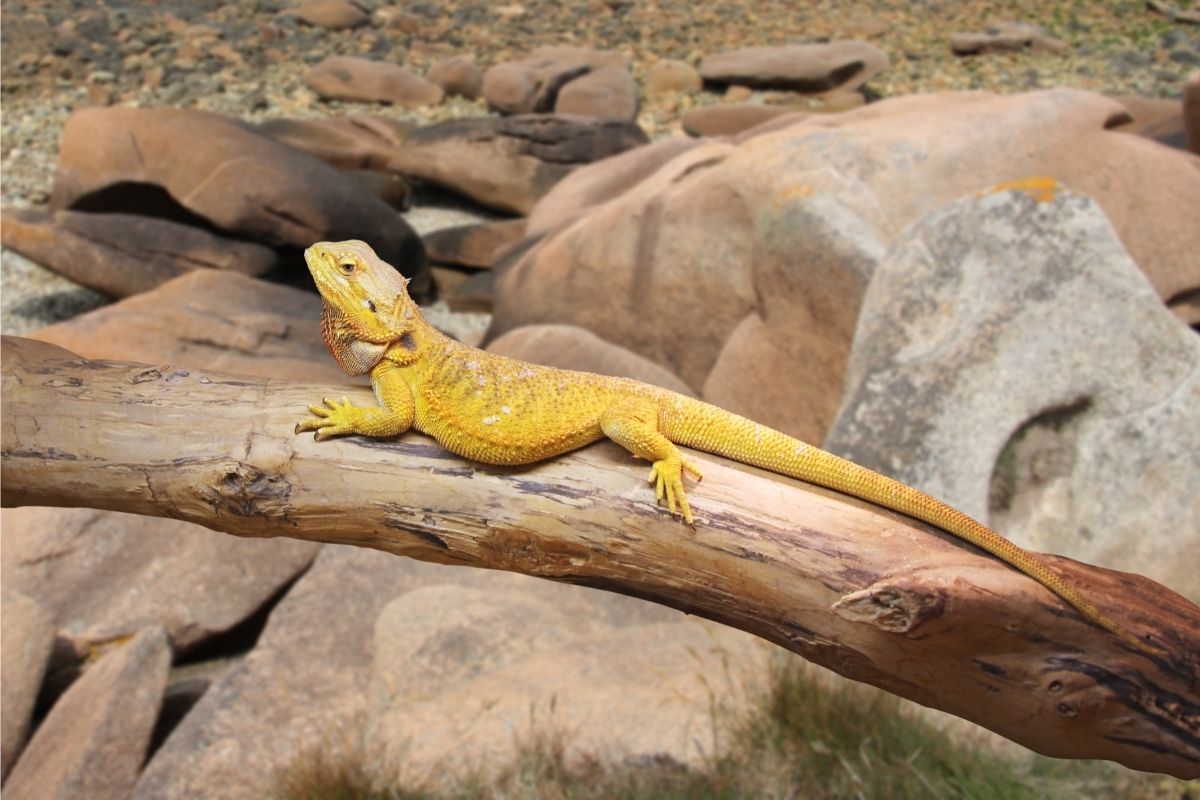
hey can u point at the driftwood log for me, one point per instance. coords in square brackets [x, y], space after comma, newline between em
[870, 594]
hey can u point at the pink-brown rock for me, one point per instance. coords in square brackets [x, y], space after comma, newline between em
[332, 14]
[354, 141]
[799, 67]
[601, 181]
[1007, 37]
[457, 77]
[353, 78]
[78, 564]
[26, 635]
[212, 321]
[191, 162]
[733, 228]
[607, 92]
[531, 84]
[93, 741]
[1191, 111]
[472, 245]
[509, 163]
[729, 120]
[571, 347]
[671, 75]
[123, 254]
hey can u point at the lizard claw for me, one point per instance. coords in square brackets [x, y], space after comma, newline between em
[328, 420]
[667, 476]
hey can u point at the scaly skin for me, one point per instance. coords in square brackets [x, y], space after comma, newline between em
[501, 411]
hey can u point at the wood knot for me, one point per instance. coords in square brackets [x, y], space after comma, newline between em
[246, 491]
[891, 607]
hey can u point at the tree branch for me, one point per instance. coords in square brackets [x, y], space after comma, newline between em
[875, 596]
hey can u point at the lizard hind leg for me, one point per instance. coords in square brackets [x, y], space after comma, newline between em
[633, 424]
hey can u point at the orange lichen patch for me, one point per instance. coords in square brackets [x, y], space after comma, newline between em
[1040, 189]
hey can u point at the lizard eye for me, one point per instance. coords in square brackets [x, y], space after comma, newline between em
[369, 306]
[346, 267]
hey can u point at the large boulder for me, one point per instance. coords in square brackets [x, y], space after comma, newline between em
[209, 320]
[510, 163]
[202, 167]
[93, 741]
[123, 254]
[349, 142]
[79, 563]
[607, 92]
[26, 636]
[571, 347]
[728, 230]
[531, 85]
[1014, 361]
[309, 683]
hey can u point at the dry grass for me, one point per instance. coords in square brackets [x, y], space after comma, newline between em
[799, 739]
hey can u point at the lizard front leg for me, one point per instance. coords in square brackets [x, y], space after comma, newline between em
[633, 424]
[393, 416]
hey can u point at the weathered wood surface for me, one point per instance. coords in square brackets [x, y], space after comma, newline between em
[875, 596]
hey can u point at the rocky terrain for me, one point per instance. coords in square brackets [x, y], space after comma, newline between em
[797, 212]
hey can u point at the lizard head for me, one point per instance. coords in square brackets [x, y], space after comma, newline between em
[366, 302]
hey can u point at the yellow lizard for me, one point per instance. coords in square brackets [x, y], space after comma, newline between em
[498, 410]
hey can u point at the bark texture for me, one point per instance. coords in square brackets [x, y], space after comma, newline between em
[870, 594]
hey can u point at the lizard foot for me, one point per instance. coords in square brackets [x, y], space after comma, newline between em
[667, 477]
[331, 419]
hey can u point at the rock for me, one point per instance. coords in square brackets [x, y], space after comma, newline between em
[512, 671]
[600, 182]
[509, 163]
[718, 224]
[1191, 111]
[26, 635]
[457, 76]
[351, 78]
[128, 159]
[93, 741]
[473, 295]
[78, 564]
[1014, 361]
[332, 14]
[570, 347]
[800, 67]
[1007, 37]
[274, 707]
[671, 75]
[212, 321]
[1160, 120]
[608, 92]
[531, 85]
[527, 87]
[391, 189]
[472, 245]
[355, 141]
[728, 120]
[123, 254]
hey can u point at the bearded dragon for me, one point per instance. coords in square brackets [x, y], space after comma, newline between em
[497, 410]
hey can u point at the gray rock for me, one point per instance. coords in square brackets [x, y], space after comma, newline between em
[79, 564]
[510, 163]
[123, 254]
[799, 67]
[1012, 360]
[26, 636]
[94, 740]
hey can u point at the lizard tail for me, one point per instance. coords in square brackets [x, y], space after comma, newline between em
[704, 427]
